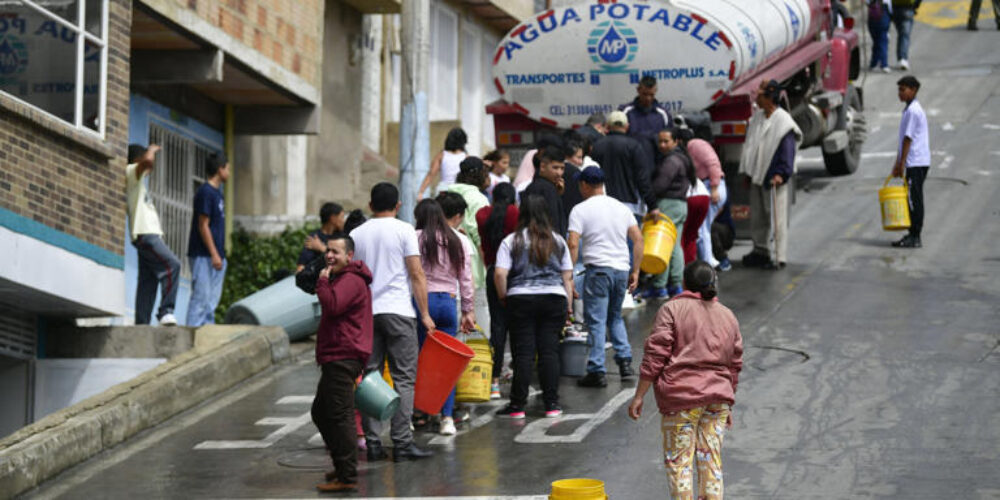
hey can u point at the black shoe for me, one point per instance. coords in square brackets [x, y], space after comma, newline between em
[410, 452]
[755, 259]
[511, 411]
[625, 368]
[593, 379]
[908, 241]
[972, 26]
[376, 452]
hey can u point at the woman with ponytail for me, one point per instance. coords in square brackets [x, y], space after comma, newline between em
[534, 276]
[692, 361]
[495, 222]
[447, 262]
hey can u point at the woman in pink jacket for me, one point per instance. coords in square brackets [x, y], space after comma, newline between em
[692, 360]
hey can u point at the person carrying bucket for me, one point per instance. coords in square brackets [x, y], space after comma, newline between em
[768, 162]
[914, 158]
[692, 360]
[604, 226]
[446, 256]
[534, 279]
[343, 344]
[673, 178]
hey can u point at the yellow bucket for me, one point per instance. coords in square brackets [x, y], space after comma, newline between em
[474, 385]
[578, 489]
[659, 236]
[895, 206]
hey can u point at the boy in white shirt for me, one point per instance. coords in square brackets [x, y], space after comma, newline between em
[914, 157]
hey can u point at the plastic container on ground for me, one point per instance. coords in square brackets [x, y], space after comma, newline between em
[281, 304]
[578, 489]
[573, 354]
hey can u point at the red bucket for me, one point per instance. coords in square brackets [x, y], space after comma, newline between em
[441, 363]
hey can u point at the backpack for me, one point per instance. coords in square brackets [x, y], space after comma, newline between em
[307, 277]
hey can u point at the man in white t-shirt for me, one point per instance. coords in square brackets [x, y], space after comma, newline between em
[158, 266]
[604, 226]
[388, 246]
[914, 157]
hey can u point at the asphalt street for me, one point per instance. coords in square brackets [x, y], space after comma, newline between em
[870, 371]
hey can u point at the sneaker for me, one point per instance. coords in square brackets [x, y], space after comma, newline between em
[755, 259]
[495, 390]
[447, 426]
[553, 410]
[593, 379]
[886, 69]
[168, 319]
[607, 345]
[724, 265]
[511, 411]
[908, 241]
[904, 65]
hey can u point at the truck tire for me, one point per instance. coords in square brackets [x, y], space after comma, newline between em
[852, 120]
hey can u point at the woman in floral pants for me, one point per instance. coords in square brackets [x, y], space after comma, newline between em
[692, 360]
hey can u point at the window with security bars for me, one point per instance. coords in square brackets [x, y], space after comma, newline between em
[178, 172]
[17, 333]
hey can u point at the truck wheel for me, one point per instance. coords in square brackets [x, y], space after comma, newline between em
[852, 120]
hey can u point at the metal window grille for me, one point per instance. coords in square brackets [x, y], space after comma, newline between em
[17, 333]
[178, 172]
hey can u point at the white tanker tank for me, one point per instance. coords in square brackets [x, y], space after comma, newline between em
[561, 65]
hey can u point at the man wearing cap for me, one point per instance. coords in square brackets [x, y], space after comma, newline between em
[604, 226]
[768, 160]
[627, 165]
[646, 116]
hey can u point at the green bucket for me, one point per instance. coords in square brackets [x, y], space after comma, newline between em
[375, 398]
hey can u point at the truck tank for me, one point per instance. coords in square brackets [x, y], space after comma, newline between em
[564, 64]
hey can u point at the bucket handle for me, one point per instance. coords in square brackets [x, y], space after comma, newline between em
[890, 177]
[650, 217]
[478, 332]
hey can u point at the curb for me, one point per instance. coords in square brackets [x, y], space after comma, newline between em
[69, 436]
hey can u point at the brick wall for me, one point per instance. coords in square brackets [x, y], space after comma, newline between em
[288, 32]
[64, 178]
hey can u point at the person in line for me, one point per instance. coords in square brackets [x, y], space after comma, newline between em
[604, 226]
[158, 266]
[471, 181]
[354, 219]
[913, 158]
[534, 281]
[673, 179]
[447, 262]
[571, 172]
[974, 7]
[708, 168]
[698, 201]
[390, 249]
[548, 184]
[879, 20]
[207, 243]
[903, 12]
[768, 162]
[497, 162]
[627, 166]
[646, 116]
[332, 217]
[692, 360]
[495, 222]
[343, 344]
[530, 162]
[446, 163]
[594, 129]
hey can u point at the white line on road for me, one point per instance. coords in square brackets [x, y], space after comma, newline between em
[497, 497]
[991, 126]
[288, 426]
[535, 432]
[868, 155]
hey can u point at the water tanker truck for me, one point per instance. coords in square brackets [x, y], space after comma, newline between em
[558, 67]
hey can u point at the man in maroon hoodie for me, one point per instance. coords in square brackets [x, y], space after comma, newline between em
[343, 344]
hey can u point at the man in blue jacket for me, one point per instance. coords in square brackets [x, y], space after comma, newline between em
[646, 116]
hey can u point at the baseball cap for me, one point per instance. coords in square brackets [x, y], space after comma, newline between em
[592, 175]
[617, 118]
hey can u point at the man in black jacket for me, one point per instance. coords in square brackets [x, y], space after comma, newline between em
[548, 184]
[626, 164]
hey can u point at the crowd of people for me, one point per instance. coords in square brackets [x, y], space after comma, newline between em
[510, 257]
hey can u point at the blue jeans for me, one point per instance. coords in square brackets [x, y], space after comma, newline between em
[206, 290]
[902, 17]
[603, 292]
[443, 309]
[879, 29]
[705, 231]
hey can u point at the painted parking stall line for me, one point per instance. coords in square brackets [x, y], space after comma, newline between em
[537, 431]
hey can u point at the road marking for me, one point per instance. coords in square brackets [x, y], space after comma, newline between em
[477, 421]
[991, 126]
[287, 425]
[495, 497]
[869, 155]
[947, 161]
[947, 14]
[947, 126]
[535, 432]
